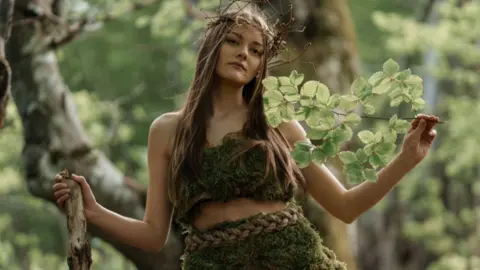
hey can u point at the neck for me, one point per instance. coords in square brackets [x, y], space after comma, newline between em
[227, 98]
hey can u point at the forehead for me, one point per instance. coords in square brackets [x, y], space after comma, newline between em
[248, 32]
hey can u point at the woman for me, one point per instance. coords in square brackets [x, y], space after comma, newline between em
[228, 176]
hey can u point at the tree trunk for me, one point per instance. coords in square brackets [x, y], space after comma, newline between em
[55, 139]
[6, 14]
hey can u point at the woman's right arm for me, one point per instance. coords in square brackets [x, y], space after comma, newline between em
[151, 233]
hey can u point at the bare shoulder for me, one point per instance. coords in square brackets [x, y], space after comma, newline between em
[163, 128]
[293, 131]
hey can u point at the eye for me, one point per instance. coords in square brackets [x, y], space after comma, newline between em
[256, 51]
[231, 41]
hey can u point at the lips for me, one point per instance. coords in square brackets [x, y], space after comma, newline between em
[238, 65]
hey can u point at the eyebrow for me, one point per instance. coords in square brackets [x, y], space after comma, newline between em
[241, 37]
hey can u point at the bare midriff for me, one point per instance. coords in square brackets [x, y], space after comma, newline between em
[213, 213]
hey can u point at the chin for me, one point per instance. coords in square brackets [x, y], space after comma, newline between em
[234, 78]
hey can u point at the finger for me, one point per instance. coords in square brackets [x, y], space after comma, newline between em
[61, 200]
[431, 136]
[413, 125]
[79, 179]
[58, 178]
[61, 192]
[420, 128]
[59, 186]
[82, 181]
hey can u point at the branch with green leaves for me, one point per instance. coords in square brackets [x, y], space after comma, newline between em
[287, 99]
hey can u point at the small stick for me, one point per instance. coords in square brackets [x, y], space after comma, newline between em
[79, 250]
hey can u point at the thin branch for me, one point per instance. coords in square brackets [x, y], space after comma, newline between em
[195, 12]
[72, 31]
[385, 118]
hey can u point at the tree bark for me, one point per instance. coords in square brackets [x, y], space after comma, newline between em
[55, 139]
[6, 14]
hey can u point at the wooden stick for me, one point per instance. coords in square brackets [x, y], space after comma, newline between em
[79, 250]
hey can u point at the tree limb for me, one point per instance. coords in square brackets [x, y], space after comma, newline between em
[55, 139]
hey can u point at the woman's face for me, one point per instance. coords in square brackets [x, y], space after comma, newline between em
[240, 55]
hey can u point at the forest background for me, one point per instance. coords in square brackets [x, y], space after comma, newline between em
[88, 104]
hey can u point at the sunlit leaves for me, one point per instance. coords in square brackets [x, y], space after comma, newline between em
[331, 117]
[390, 67]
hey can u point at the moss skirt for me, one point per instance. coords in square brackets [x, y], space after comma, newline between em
[294, 246]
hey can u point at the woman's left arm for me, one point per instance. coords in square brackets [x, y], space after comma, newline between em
[348, 205]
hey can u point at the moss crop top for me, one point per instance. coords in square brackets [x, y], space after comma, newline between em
[222, 181]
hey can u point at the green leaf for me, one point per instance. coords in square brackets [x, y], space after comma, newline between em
[288, 89]
[354, 178]
[381, 89]
[287, 112]
[385, 148]
[392, 121]
[270, 83]
[293, 98]
[306, 101]
[329, 148]
[352, 98]
[414, 80]
[390, 136]
[390, 67]
[368, 149]
[366, 136]
[361, 156]
[309, 89]
[396, 101]
[358, 85]
[319, 156]
[377, 160]
[274, 95]
[304, 146]
[377, 78]
[403, 75]
[378, 137]
[315, 134]
[346, 130]
[419, 103]
[274, 119]
[353, 172]
[416, 92]
[322, 93]
[272, 110]
[302, 113]
[352, 118]
[333, 101]
[339, 135]
[370, 175]
[346, 105]
[347, 157]
[296, 78]
[302, 157]
[369, 109]
[401, 126]
[284, 81]
[396, 93]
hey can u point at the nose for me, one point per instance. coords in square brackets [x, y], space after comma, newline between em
[242, 52]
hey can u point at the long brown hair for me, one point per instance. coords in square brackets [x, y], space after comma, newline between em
[190, 137]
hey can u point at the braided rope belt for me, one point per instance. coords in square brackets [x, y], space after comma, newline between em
[264, 223]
